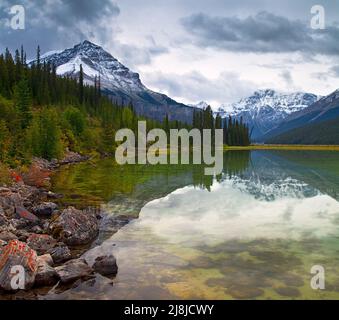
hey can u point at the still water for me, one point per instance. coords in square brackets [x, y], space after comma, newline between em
[253, 232]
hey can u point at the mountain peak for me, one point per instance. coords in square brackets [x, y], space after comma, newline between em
[265, 92]
[117, 81]
[95, 62]
[265, 109]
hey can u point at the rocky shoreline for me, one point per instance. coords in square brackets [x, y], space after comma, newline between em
[42, 240]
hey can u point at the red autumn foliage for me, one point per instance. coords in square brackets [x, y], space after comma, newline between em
[16, 177]
[37, 176]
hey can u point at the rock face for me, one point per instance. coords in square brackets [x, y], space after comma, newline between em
[105, 265]
[45, 209]
[74, 270]
[75, 227]
[18, 266]
[41, 243]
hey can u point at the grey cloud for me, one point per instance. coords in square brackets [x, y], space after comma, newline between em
[58, 24]
[61, 24]
[286, 75]
[133, 56]
[194, 86]
[261, 33]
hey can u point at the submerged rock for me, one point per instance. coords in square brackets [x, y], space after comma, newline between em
[17, 257]
[288, 292]
[41, 243]
[244, 292]
[105, 265]
[75, 227]
[74, 270]
[202, 262]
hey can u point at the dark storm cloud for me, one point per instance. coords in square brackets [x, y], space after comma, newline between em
[56, 24]
[61, 24]
[261, 33]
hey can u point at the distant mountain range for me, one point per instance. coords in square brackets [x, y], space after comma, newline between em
[273, 117]
[266, 109]
[117, 81]
[317, 124]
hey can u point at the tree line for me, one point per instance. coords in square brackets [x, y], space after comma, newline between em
[235, 132]
[43, 114]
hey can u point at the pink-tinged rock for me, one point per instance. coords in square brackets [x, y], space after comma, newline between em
[7, 236]
[41, 243]
[24, 214]
[46, 258]
[75, 227]
[17, 256]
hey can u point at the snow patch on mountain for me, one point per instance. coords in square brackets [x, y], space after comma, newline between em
[266, 109]
[95, 61]
[200, 105]
[118, 82]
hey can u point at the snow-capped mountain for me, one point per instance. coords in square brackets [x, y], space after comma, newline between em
[266, 109]
[317, 124]
[117, 81]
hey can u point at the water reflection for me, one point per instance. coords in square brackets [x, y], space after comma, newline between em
[253, 232]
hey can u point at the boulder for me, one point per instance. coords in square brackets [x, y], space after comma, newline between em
[37, 229]
[54, 196]
[22, 235]
[7, 236]
[60, 253]
[46, 274]
[105, 265]
[9, 200]
[18, 266]
[22, 213]
[75, 227]
[45, 209]
[73, 270]
[20, 223]
[47, 258]
[41, 243]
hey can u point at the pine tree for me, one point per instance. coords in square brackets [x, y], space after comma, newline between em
[4, 140]
[23, 102]
[81, 85]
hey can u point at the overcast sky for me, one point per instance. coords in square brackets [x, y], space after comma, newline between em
[213, 50]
